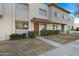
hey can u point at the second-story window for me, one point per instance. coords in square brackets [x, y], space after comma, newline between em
[21, 6]
[63, 16]
[43, 12]
[57, 14]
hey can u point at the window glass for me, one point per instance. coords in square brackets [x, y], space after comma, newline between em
[20, 6]
[53, 26]
[63, 16]
[57, 14]
[43, 12]
[25, 25]
[21, 24]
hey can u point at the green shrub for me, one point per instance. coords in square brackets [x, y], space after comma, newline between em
[49, 32]
[44, 33]
[55, 32]
[23, 36]
[31, 34]
[17, 36]
[14, 37]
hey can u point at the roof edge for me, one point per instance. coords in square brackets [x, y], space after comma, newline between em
[55, 5]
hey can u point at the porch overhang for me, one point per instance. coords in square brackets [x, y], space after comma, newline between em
[40, 20]
[45, 21]
[58, 23]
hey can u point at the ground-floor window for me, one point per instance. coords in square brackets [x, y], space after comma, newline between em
[21, 24]
[55, 26]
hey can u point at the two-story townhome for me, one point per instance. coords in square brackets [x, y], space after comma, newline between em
[60, 18]
[24, 17]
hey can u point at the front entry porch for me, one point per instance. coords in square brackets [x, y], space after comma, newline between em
[39, 24]
[43, 24]
[38, 27]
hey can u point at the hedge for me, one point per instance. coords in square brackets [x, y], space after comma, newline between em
[31, 34]
[44, 33]
[49, 32]
[16, 36]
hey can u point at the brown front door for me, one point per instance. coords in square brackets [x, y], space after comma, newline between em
[36, 28]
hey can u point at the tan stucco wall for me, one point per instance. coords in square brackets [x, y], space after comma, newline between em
[22, 13]
[57, 19]
[6, 25]
[59, 27]
[49, 27]
[34, 12]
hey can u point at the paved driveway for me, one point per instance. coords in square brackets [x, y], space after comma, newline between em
[71, 49]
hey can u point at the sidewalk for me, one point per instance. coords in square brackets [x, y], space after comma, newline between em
[50, 41]
[71, 49]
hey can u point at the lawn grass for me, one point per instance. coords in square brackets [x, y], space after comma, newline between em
[25, 47]
[64, 38]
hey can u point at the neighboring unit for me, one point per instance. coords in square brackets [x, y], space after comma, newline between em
[76, 27]
[24, 17]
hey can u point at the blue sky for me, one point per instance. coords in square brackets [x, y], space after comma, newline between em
[71, 7]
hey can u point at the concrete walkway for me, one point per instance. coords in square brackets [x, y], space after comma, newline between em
[50, 41]
[71, 49]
